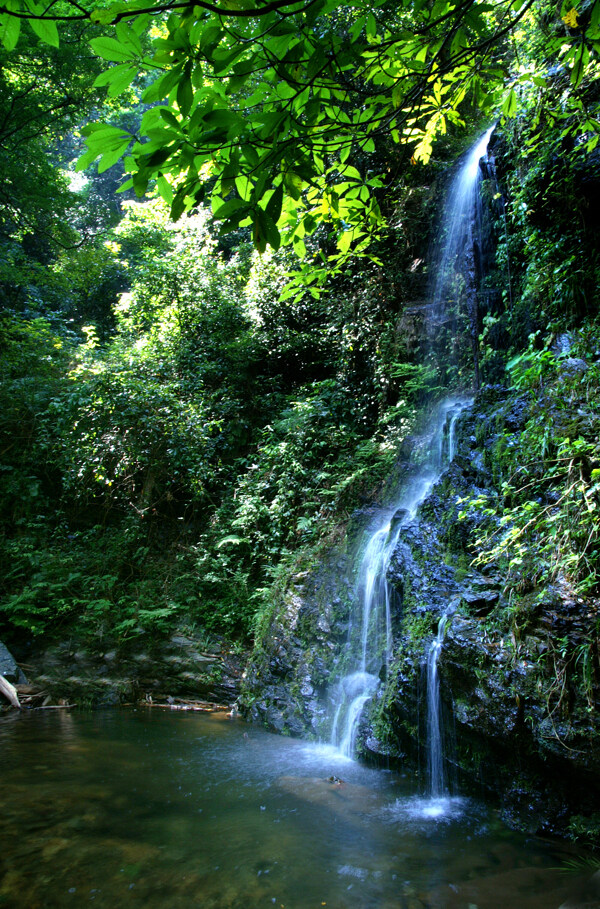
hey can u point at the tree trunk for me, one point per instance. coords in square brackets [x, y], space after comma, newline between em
[10, 692]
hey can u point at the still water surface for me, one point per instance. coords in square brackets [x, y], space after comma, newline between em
[156, 809]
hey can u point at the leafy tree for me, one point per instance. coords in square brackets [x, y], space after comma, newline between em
[43, 91]
[261, 108]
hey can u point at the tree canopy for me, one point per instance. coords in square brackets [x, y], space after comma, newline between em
[274, 111]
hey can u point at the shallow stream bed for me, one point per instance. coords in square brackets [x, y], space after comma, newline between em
[151, 808]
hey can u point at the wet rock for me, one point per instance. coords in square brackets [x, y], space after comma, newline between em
[179, 666]
[142, 658]
[181, 641]
[274, 718]
[562, 344]
[9, 668]
[573, 366]
[480, 602]
[516, 414]
[323, 625]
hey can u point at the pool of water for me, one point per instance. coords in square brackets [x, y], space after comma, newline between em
[166, 809]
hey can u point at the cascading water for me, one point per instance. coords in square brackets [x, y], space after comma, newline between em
[435, 743]
[459, 262]
[459, 269]
[447, 436]
[435, 756]
[370, 632]
[461, 216]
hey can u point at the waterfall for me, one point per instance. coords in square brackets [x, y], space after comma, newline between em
[370, 629]
[459, 261]
[459, 270]
[435, 749]
[447, 436]
[460, 211]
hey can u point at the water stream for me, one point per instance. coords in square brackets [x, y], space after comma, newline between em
[461, 225]
[435, 749]
[171, 810]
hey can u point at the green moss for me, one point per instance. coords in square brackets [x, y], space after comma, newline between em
[416, 626]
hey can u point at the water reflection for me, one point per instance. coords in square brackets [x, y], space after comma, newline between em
[168, 810]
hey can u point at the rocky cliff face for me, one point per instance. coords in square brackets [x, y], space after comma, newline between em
[286, 681]
[519, 709]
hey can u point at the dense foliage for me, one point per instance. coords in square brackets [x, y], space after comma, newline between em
[184, 410]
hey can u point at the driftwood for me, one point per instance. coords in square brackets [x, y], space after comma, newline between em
[185, 704]
[10, 692]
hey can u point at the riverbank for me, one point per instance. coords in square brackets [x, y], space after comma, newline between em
[186, 670]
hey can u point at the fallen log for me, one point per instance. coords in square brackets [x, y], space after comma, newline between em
[187, 704]
[10, 692]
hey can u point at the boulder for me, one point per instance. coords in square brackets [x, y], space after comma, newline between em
[9, 668]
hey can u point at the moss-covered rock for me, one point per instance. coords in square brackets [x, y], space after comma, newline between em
[188, 664]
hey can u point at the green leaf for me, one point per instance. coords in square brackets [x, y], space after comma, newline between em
[293, 184]
[9, 31]
[228, 208]
[128, 37]
[160, 88]
[165, 189]
[345, 241]
[581, 62]
[272, 232]
[86, 159]
[125, 186]
[275, 203]
[157, 157]
[509, 107]
[178, 203]
[121, 80]
[105, 137]
[111, 157]
[46, 30]
[102, 16]
[259, 229]
[111, 50]
[169, 117]
[299, 248]
[350, 172]
[244, 187]
[233, 540]
[185, 95]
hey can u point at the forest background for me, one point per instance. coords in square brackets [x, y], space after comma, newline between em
[204, 374]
